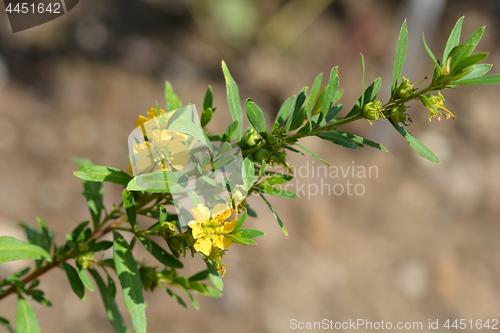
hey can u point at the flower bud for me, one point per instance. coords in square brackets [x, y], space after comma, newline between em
[261, 155]
[250, 139]
[85, 260]
[149, 277]
[166, 230]
[404, 89]
[373, 110]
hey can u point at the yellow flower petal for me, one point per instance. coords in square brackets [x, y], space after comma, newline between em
[180, 136]
[143, 149]
[140, 121]
[161, 138]
[144, 164]
[201, 213]
[176, 146]
[196, 229]
[179, 161]
[203, 245]
[222, 242]
[152, 113]
[221, 212]
[229, 226]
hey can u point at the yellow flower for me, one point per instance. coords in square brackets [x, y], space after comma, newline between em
[164, 150]
[209, 229]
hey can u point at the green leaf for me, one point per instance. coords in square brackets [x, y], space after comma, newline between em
[104, 174]
[184, 125]
[330, 92]
[484, 80]
[191, 298]
[209, 98]
[315, 87]
[275, 214]
[296, 118]
[202, 275]
[256, 117]
[418, 146]
[472, 42]
[233, 100]
[362, 103]
[130, 280]
[278, 179]
[338, 139]
[363, 141]
[277, 192]
[101, 246]
[214, 275]
[229, 132]
[42, 238]
[172, 101]
[248, 172]
[431, 55]
[369, 96]
[399, 61]
[313, 154]
[85, 278]
[467, 62]
[74, 280]
[129, 205]
[241, 241]
[223, 161]
[93, 191]
[250, 233]
[240, 222]
[5, 323]
[160, 253]
[477, 71]
[175, 296]
[112, 311]
[26, 321]
[453, 39]
[206, 116]
[332, 113]
[285, 110]
[12, 249]
[158, 182]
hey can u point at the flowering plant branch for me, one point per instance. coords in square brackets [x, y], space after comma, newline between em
[170, 148]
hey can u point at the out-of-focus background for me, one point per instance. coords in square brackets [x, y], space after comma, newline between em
[421, 242]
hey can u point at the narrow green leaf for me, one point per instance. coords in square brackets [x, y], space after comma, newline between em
[362, 80]
[330, 92]
[74, 280]
[160, 253]
[5, 323]
[158, 182]
[313, 154]
[250, 233]
[467, 62]
[477, 71]
[26, 321]
[104, 174]
[191, 298]
[418, 146]
[175, 297]
[202, 275]
[248, 172]
[184, 125]
[472, 42]
[294, 121]
[129, 205]
[130, 280]
[85, 278]
[209, 98]
[399, 61]
[256, 118]
[173, 102]
[241, 241]
[285, 110]
[453, 39]
[277, 192]
[431, 54]
[214, 274]
[229, 132]
[332, 113]
[223, 161]
[363, 141]
[316, 87]
[12, 249]
[338, 139]
[206, 116]
[278, 179]
[484, 80]
[240, 222]
[233, 100]
[112, 311]
[275, 214]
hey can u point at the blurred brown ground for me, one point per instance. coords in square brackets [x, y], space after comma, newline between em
[420, 244]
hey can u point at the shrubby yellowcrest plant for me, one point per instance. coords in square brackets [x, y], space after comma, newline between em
[173, 148]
